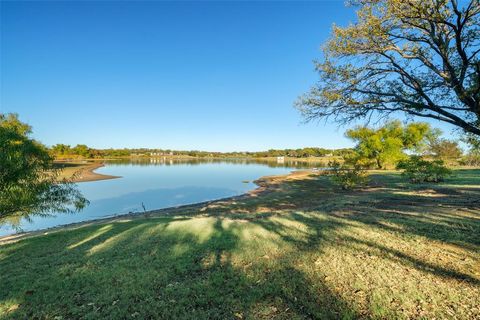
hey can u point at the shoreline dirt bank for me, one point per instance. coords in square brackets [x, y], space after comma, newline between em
[82, 171]
[264, 184]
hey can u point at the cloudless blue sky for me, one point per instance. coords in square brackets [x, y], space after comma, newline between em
[217, 76]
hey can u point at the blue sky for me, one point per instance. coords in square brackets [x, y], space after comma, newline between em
[217, 76]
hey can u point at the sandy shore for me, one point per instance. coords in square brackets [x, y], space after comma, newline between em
[83, 172]
[265, 184]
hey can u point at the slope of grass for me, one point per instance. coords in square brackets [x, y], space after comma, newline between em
[300, 250]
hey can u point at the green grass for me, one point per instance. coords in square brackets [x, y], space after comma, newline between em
[303, 250]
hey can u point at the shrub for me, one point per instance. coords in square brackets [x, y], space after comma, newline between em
[347, 177]
[418, 170]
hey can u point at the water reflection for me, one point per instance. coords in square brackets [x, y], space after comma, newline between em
[279, 162]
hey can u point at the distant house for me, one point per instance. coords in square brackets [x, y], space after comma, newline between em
[281, 159]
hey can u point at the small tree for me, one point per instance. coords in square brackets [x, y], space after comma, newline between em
[347, 176]
[61, 149]
[386, 145]
[418, 170]
[445, 149]
[28, 180]
[82, 150]
[472, 158]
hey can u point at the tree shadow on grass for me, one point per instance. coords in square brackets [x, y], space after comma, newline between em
[446, 214]
[405, 259]
[156, 268]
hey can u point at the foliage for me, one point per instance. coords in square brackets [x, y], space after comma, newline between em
[473, 142]
[28, 180]
[418, 170]
[416, 57]
[472, 158]
[386, 145]
[61, 149]
[66, 151]
[445, 149]
[80, 150]
[347, 177]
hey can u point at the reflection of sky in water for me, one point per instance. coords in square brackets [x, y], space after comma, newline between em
[156, 187]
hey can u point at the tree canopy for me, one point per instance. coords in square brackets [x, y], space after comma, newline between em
[65, 151]
[387, 144]
[445, 149]
[28, 179]
[416, 57]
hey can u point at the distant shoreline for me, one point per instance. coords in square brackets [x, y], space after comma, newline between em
[186, 157]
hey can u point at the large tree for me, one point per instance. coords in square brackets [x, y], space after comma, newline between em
[29, 182]
[420, 57]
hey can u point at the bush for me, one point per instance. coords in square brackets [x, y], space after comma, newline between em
[418, 170]
[347, 177]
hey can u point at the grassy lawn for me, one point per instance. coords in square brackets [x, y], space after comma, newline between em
[301, 250]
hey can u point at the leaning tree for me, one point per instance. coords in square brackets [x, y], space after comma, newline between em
[419, 57]
[30, 183]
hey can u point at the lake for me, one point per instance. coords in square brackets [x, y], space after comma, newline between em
[157, 183]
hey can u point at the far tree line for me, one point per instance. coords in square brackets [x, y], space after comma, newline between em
[82, 150]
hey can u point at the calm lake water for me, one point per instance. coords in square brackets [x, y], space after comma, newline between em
[160, 184]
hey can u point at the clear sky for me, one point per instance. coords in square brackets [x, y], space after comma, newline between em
[217, 76]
